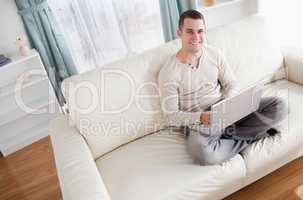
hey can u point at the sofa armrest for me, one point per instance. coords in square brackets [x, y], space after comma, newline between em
[77, 172]
[293, 59]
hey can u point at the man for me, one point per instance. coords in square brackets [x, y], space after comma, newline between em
[199, 76]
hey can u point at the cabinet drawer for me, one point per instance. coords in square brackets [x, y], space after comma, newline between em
[10, 87]
[23, 97]
[39, 106]
[21, 126]
[21, 66]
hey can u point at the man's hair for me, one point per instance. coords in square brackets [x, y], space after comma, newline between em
[193, 14]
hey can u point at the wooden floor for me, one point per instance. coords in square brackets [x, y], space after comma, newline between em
[30, 174]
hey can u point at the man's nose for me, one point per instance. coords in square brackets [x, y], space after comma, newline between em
[196, 36]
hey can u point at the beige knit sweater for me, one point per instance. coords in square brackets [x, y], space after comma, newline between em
[186, 91]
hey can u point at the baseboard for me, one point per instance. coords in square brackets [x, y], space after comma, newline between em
[18, 143]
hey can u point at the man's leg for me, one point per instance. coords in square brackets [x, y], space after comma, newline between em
[210, 149]
[271, 111]
[213, 148]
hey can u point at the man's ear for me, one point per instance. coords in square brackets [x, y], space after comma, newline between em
[179, 33]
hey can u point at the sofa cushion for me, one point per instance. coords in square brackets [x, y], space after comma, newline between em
[249, 49]
[271, 153]
[120, 102]
[158, 166]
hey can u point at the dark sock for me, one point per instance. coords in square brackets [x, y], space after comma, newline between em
[272, 131]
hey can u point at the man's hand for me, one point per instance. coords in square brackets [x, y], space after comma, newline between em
[205, 117]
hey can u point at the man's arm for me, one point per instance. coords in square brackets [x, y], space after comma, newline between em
[169, 95]
[226, 77]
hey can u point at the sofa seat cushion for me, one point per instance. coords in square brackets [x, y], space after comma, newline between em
[271, 153]
[158, 166]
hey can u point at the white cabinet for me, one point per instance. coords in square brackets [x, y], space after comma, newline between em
[27, 102]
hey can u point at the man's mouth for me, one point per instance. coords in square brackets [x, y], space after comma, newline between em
[196, 43]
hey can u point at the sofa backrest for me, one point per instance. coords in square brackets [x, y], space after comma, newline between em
[114, 105]
[250, 50]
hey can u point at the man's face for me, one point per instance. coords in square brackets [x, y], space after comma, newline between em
[192, 34]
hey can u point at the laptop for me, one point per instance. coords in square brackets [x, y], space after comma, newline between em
[230, 110]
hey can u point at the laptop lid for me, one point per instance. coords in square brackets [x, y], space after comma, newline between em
[230, 110]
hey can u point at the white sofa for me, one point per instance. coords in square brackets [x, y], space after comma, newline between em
[121, 156]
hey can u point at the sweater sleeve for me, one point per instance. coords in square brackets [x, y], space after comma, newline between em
[169, 94]
[226, 77]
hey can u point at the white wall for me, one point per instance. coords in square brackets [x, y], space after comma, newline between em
[226, 11]
[286, 20]
[11, 27]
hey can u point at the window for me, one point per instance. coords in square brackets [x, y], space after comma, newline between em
[100, 32]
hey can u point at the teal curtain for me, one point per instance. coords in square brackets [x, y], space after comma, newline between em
[44, 36]
[170, 12]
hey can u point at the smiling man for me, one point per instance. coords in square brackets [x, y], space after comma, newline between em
[195, 78]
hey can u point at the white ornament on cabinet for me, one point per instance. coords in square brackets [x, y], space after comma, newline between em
[21, 42]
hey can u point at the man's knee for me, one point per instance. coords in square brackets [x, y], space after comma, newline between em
[206, 155]
[276, 107]
[283, 104]
[212, 157]
[282, 108]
